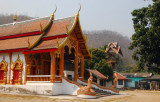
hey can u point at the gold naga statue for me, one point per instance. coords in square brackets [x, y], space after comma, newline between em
[87, 90]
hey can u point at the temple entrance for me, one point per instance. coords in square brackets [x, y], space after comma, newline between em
[69, 57]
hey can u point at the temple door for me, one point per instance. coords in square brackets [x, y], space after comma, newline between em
[15, 76]
[1, 76]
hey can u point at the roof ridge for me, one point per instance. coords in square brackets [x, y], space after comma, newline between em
[25, 21]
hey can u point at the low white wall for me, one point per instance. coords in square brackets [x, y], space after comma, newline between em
[69, 88]
[44, 88]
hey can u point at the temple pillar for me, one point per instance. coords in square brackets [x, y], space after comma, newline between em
[61, 64]
[76, 63]
[52, 71]
[82, 67]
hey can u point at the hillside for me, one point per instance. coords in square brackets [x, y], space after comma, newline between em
[97, 39]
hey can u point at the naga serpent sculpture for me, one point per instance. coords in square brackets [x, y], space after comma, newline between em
[87, 90]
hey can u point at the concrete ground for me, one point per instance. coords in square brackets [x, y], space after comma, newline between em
[125, 96]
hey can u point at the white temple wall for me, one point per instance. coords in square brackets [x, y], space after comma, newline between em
[6, 56]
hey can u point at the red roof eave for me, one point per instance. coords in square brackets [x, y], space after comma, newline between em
[13, 50]
[40, 51]
[54, 37]
[20, 35]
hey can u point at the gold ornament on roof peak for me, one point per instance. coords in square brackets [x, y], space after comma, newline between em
[15, 17]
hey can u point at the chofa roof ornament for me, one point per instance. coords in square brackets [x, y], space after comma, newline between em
[79, 9]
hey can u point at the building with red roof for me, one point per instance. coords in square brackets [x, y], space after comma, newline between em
[119, 80]
[42, 50]
[98, 77]
[113, 50]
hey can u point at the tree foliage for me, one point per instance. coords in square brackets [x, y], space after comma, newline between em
[99, 62]
[146, 39]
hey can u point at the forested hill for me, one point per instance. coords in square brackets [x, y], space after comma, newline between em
[5, 19]
[100, 38]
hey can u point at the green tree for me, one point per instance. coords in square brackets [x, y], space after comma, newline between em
[104, 68]
[146, 39]
[99, 62]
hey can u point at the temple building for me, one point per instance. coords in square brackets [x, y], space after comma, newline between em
[43, 52]
[113, 50]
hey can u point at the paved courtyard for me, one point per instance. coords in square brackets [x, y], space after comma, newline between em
[126, 96]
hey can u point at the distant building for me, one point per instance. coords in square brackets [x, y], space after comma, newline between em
[98, 77]
[153, 82]
[113, 51]
[119, 80]
[135, 78]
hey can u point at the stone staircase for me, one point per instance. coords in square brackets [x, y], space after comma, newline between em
[100, 93]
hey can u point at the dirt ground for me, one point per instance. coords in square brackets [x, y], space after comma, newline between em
[125, 96]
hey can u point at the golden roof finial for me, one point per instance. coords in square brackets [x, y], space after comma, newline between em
[79, 9]
[41, 27]
[15, 17]
[54, 12]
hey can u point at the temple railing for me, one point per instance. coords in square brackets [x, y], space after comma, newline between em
[42, 78]
[38, 77]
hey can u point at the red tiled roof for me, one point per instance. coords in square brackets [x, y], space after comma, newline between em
[114, 46]
[32, 25]
[47, 44]
[59, 26]
[15, 43]
[98, 74]
[31, 29]
[119, 76]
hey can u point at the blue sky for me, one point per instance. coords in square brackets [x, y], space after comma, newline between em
[112, 15]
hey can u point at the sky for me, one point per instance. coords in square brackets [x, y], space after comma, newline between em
[114, 15]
